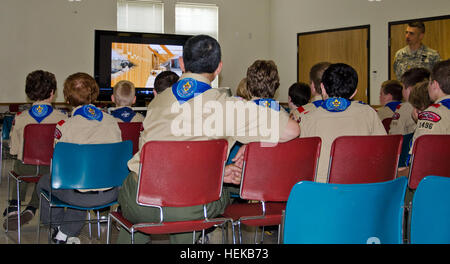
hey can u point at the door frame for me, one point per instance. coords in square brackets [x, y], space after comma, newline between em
[336, 30]
[394, 23]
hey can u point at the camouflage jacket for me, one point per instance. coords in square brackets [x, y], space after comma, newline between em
[405, 59]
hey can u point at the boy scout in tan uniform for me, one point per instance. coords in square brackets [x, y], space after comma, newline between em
[402, 121]
[338, 116]
[168, 118]
[41, 112]
[87, 125]
[390, 98]
[124, 97]
[436, 118]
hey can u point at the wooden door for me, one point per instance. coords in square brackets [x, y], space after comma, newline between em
[345, 45]
[437, 37]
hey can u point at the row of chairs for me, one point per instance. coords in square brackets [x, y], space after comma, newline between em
[269, 173]
[299, 163]
[318, 213]
[38, 150]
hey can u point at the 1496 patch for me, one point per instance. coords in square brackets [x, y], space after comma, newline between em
[429, 116]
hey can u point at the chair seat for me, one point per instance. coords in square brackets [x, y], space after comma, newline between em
[244, 210]
[25, 178]
[55, 202]
[168, 227]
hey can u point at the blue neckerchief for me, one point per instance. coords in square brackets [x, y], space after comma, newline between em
[188, 88]
[317, 103]
[393, 105]
[269, 103]
[40, 112]
[89, 112]
[446, 103]
[335, 104]
[125, 114]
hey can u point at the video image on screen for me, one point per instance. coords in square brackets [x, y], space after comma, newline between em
[141, 63]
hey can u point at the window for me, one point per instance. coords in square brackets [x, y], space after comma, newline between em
[140, 16]
[194, 19]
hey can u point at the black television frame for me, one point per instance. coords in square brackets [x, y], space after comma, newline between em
[102, 57]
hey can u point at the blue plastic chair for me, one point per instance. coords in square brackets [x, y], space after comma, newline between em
[87, 166]
[324, 213]
[430, 212]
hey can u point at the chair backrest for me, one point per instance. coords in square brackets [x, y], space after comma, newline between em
[430, 156]
[269, 172]
[364, 159]
[325, 213]
[38, 140]
[430, 212]
[387, 123]
[406, 146]
[131, 131]
[90, 166]
[181, 173]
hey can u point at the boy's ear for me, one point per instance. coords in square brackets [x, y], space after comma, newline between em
[112, 98]
[353, 95]
[134, 100]
[324, 93]
[219, 68]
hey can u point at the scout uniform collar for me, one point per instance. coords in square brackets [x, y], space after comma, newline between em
[445, 101]
[40, 110]
[90, 112]
[124, 113]
[189, 86]
[335, 104]
[268, 103]
[393, 105]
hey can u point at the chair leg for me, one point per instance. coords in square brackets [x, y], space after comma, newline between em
[89, 223]
[98, 224]
[18, 211]
[38, 232]
[108, 230]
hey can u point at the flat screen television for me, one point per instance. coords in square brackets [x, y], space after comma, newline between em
[136, 57]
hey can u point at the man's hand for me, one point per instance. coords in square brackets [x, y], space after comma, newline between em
[232, 174]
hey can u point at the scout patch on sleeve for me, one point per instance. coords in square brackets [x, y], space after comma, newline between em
[58, 133]
[429, 116]
[396, 116]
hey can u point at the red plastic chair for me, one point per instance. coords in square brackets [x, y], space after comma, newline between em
[177, 174]
[131, 131]
[268, 176]
[364, 159]
[387, 123]
[38, 140]
[430, 156]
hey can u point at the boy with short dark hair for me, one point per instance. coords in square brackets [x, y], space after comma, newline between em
[165, 80]
[337, 115]
[40, 87]
[390, 98]
[298, 95]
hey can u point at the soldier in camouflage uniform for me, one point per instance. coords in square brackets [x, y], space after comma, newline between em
[415, 54]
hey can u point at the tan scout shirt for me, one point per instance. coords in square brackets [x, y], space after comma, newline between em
[80, 130]
[402, 122]
[210, 115]
[297, 114]
[386, 111]
[358, 119]
[24, 118]
[138, 117]
[434, 120]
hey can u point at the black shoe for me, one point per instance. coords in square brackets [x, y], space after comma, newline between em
[11, 210]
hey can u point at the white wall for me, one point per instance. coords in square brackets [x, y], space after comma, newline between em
[53, 35]
[58, 36]
[289, 17]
